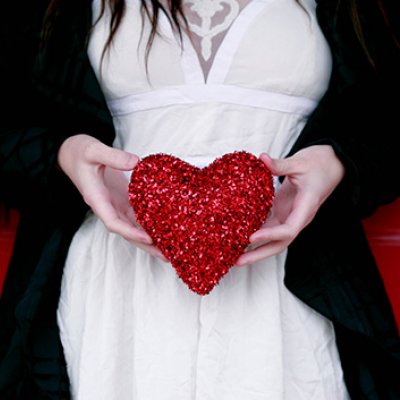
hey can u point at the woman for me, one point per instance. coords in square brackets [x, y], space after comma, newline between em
[332, 272]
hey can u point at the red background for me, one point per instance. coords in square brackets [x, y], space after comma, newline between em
[383, 230]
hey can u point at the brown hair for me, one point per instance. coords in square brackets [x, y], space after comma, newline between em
[175, 15]
[358, 27]
[173, 12]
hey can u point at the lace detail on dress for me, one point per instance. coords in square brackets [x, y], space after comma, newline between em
[209, 21]
[206, 10]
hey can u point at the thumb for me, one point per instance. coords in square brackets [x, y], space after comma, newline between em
[111, 157]
[278, 166]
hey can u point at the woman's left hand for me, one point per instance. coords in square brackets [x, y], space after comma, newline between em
[311, 175]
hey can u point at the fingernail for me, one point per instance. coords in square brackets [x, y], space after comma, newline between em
[132, 161]
[161, 257]
[238, 264]
[252, 239]
[146, 240]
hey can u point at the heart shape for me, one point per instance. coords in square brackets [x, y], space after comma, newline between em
[201, 219]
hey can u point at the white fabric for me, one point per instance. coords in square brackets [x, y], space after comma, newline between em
[209, 21]
[209, 25]
[195, 94]
[130, 328]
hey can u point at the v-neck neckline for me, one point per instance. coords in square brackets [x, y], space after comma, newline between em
[190, 62]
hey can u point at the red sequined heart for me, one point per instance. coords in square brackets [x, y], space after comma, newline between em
[201, 219]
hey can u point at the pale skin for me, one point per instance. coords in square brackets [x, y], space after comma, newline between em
[96, 170]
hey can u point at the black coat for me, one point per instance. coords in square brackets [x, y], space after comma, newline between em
[51, 94]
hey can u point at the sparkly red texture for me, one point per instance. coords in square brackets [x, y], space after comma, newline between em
[201, 219]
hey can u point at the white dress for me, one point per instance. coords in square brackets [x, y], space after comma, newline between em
[130, 328]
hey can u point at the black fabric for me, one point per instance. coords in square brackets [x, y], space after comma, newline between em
[53, 94]
[330, 265]
[330, 268]
[357, 116]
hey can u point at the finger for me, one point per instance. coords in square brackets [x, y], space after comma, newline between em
[127, 231]
[282, 204]
[302, 212]
[262, 252]
[273, 233]
[304, 209]
[129, 216]
[152, 250]
[99, 153]
[281, 167]
[104, 209]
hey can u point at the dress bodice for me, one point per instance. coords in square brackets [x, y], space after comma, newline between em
[268, 46]
[267, 74]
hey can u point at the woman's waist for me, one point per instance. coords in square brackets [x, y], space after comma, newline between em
[200, 135]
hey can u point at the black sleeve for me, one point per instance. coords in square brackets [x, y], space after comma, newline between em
[42, 105]
[357, 116]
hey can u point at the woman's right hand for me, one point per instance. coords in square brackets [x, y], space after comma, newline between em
[97, 172]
